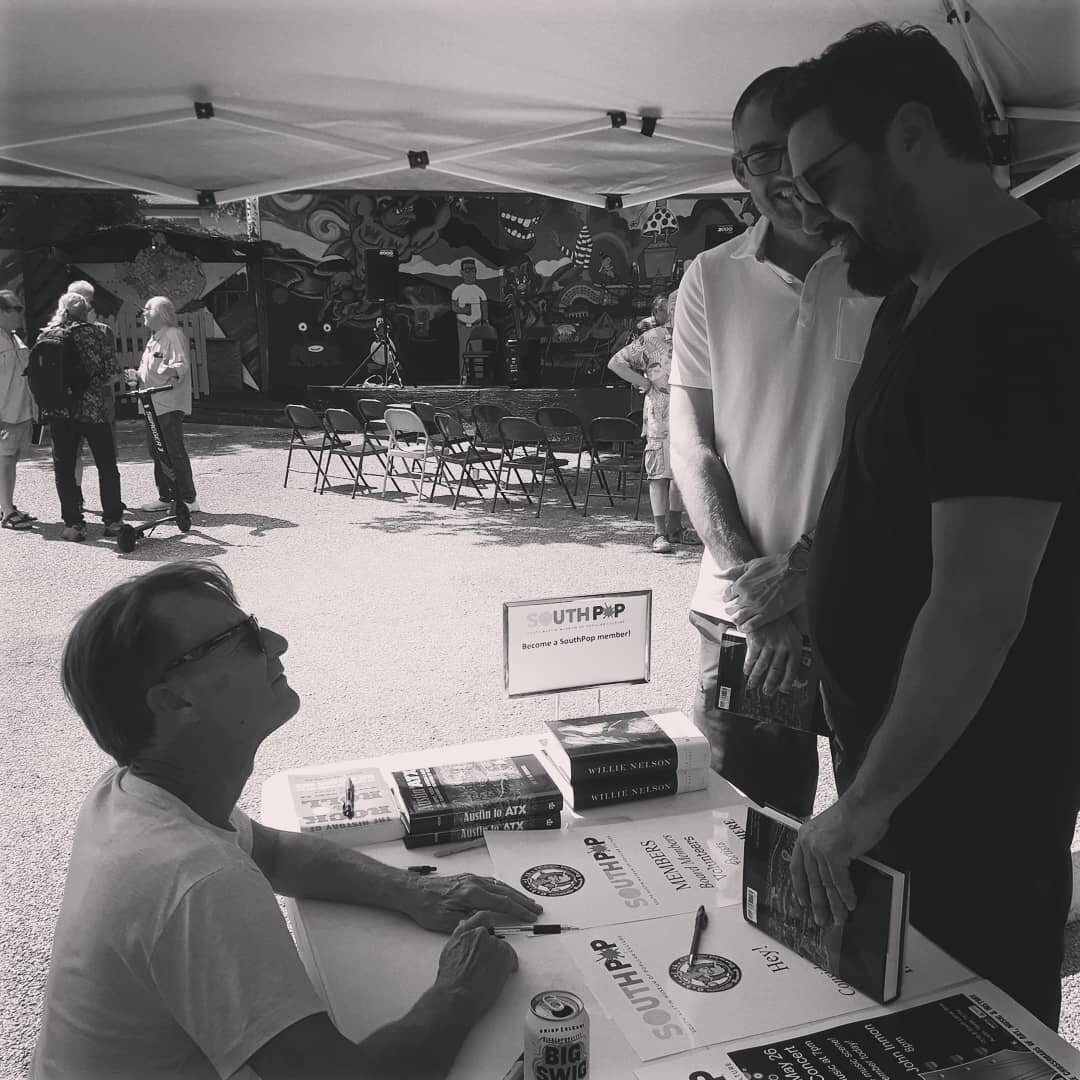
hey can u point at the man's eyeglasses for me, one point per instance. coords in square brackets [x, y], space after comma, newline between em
[804, 187]
[762, 162]
[249, 627]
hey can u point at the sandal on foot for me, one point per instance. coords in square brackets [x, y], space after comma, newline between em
[23, 514]
[15, 520]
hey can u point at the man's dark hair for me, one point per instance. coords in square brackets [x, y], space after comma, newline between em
[864, 78]
[764, 86]
[117, 648]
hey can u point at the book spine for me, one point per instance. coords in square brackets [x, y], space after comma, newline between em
[473, 832]
[482, 815]
[590, 795]
[620, 764]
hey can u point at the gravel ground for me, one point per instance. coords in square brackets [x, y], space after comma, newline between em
[359, 587]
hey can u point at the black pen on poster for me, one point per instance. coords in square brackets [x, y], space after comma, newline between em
[348, 806]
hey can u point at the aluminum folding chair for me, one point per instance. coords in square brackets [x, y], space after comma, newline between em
[309, 435]
[486, 419]
[339, 424]
[525, 449]
[625, 460]
[371, 411]
[459, 449]
[408, 441]
[569, 435]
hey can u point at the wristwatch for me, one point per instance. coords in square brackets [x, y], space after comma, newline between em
[798, 561]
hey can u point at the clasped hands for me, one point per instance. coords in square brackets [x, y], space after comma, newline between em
[440, 903]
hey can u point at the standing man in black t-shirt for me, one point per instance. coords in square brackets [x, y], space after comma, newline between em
[944, 594]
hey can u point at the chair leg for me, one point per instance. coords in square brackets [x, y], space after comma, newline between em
[288, 462]
[604, 484]
[498, 478]
[387, 470]
[588, 489]
[543, 482]
[524, 486]
[563, 484]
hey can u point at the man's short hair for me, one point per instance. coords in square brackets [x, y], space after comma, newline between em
[117, 648]
[764, 86]
[865, 77]
[468, 264]
[165, 308]
[83, 288]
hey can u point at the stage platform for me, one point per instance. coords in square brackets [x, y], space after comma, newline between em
[587, 402]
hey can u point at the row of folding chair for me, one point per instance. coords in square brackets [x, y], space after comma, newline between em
[518, 447]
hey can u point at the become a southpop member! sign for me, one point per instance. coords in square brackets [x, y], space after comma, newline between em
[576, 642]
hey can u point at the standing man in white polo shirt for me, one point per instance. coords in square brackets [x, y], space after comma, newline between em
[768, 340]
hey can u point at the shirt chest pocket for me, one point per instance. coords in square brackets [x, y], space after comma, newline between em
[853, 321]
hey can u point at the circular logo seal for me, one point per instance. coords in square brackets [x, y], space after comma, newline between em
[709, 975]
[551, 879]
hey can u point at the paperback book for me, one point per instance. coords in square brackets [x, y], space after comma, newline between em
[472, 832]
[624, 746]
[794, 709]
[455, 796]
[867, 951]
[318, 800]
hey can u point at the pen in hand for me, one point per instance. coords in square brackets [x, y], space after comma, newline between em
[701, 920]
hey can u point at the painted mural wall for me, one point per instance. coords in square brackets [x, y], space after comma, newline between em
[546, 269]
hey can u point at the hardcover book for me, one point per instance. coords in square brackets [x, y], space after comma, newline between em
[317, 800]
[583, 796]
[624, 746]
[867, 951]
[457, 795]
[794, 709]
[471, 832]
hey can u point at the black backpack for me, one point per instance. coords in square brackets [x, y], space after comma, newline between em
[55, 371]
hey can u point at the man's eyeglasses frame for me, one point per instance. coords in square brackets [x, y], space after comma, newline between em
[249, 624]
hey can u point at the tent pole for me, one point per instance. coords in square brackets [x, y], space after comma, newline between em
[272, 127]
[1046, 176]
[719, 147]
[533, 189]
[1064, 116]
[960, 8]
[300, 183]
[106, 127]
[113, 179]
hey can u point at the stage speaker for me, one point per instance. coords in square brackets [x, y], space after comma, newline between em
[721, 234]
[381, 268]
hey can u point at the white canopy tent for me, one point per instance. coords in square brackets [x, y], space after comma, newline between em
[216, 100]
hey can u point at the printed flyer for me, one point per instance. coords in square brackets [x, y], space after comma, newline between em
[741, 983]
[595, 875]
[977, 1034]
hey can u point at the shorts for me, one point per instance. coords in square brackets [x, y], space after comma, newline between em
[14, 438]
[657, 459]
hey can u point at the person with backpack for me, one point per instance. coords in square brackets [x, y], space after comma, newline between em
[16, 410]
[72, 376]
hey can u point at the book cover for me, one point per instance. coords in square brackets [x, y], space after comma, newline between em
[867, 952]
[456, 795]
[584, 796]
[317, 800]
[977, 1032]
[794, 709]
[472, 832]
[625, 745]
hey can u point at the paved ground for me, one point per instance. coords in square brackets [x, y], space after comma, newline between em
[393, 615]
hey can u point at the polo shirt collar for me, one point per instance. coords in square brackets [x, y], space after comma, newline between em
[752, 244]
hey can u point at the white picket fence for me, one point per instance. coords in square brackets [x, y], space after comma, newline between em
[131, 340]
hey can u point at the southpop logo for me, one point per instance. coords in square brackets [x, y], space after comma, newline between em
[568, 616]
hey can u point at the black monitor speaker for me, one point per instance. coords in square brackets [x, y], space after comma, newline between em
[381, 268]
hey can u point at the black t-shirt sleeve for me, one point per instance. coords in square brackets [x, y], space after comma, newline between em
[1000, 401]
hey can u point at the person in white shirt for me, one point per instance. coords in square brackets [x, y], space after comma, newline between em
[470, 306]
[768, 339]
[165, 362]
[171, 957]
[16, 410]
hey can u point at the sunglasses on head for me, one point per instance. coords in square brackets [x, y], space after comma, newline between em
[249, 627]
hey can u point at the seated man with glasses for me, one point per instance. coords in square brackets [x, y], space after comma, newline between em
[171, 957]
[768, 338]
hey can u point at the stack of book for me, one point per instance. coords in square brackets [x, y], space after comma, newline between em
[447, 804]
[625, 756]
[354, 805]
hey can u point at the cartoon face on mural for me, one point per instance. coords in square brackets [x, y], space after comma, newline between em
[313, 347]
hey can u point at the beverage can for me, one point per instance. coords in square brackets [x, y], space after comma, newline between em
[557, 1037]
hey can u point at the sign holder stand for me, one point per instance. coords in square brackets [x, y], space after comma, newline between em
[558, 709]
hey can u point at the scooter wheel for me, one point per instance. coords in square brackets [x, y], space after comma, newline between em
[125, 539]
[183, 517]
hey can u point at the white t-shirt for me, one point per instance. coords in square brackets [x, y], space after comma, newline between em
[165, 362]
[16, 404]
[171, 957]
[779, 356]
[469, 294]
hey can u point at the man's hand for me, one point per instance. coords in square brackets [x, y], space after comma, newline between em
[440, 903]
[475, 964]
[826, 847]
[773, 656]
[762, 590]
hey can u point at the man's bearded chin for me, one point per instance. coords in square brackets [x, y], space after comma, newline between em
[872, 270]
